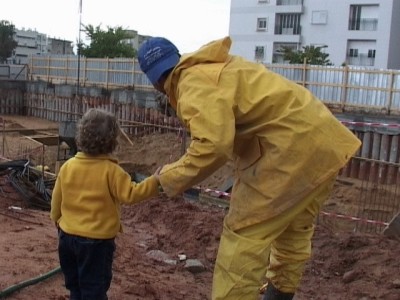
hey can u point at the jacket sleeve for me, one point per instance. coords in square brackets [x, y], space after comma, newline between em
[129, 192]
[56, 199]
[210, 119]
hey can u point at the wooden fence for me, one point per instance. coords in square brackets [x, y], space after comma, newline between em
[345, 88]
[348, 88]
[108, 73]
[134, 119]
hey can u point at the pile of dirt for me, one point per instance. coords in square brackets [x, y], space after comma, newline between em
[148, 262]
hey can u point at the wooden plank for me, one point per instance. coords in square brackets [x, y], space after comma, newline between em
[393, 229]
[125, 136]
[28, 130]
[46, 140]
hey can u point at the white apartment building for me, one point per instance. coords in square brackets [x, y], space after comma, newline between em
[356, 32]
[30, 42]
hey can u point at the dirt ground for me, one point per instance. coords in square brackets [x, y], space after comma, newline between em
[148, 262]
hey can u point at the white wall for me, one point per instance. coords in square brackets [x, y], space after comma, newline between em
[243, 28]
[331, 19]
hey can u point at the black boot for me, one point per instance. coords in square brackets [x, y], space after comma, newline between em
[273, 293]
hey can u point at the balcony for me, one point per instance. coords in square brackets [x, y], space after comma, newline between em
[363, 24]
[280, 30]
[289, 6]
[361, 60]
[289, 2]
[278, 48]
[277, 55]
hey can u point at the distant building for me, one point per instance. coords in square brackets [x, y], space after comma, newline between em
[356, 32]
[59, 46]
[30, 42]
[136, 39]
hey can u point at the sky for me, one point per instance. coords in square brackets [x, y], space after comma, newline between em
[189, 24]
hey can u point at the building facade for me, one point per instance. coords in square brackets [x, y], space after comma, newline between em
[136, 40]
[352, 32]
[60, 46]
[30, 42]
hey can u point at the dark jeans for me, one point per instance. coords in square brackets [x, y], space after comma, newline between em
[87, 266]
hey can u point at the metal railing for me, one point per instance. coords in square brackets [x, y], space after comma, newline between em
[289, 2]
[361, 60]
[363, 24]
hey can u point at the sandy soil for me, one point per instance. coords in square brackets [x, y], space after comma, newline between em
[344, 265]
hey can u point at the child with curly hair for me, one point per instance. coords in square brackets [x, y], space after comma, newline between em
[85, 206]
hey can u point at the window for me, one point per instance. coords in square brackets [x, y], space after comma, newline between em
[262, 24]
[355, 17]
[371, 53]
[353, 52]
[288, 24]
[259, 53]
[263, 1]
[369, 22]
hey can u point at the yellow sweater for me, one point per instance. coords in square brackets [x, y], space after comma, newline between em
[88, 192]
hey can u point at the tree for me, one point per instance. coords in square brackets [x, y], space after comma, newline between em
[312, 54]
[108, 43]
[7, 42]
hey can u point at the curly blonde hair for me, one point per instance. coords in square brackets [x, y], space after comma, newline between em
[97, 132]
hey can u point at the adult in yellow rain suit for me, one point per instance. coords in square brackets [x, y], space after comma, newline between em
[287, 147]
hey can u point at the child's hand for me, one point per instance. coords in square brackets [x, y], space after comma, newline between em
[157, 173]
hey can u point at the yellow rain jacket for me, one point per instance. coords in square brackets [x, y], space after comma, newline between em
[284, 141]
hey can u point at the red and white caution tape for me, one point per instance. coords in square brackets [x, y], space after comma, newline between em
[329, 214]
[215, 192]
[372, 124]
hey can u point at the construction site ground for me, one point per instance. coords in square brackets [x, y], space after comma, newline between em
[148, 261]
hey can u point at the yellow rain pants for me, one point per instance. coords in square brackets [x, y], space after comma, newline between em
[277, 248]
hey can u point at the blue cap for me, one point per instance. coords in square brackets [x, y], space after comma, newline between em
[157, 55]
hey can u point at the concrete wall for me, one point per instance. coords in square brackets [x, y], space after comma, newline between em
[12, 95]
